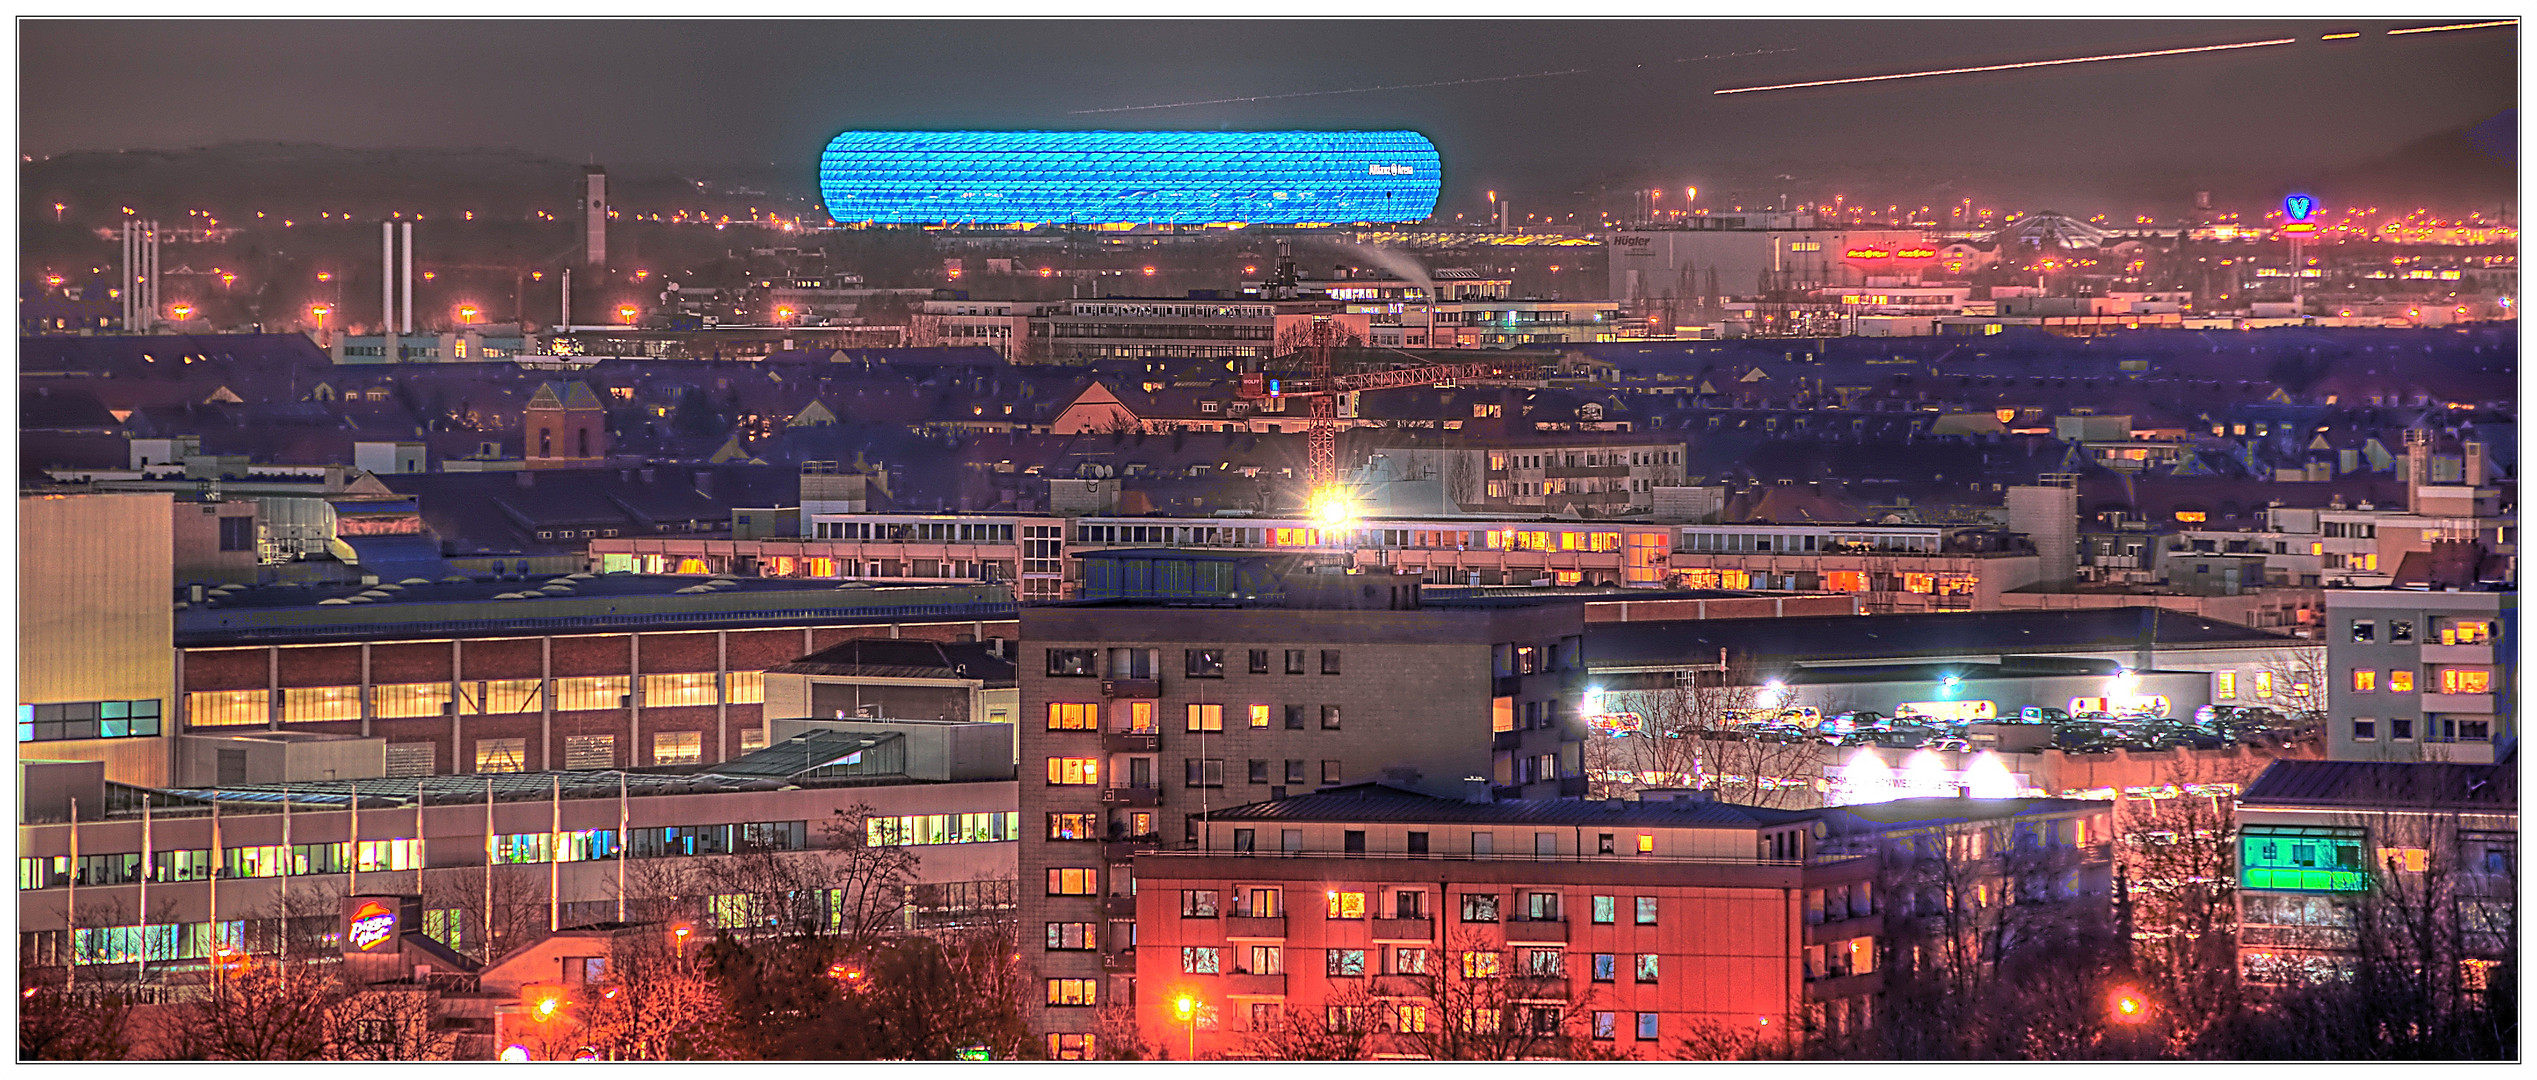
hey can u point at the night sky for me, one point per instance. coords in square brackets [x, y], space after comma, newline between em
[706, 94]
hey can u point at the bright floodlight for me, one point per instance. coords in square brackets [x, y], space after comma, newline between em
[1332, 509]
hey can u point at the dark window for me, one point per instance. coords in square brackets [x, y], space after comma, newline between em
[1330, 718]
[2365, 730]
[1206, 773]
[1294, 661]
[1352, 842]
[2400, 728]
[1330, 661]
[1246, 839]
[1070, 663]
[1259, 661]
[1205, 663]
[1330, 772]
[1603, 843]
[1479, 907]
[237, 534]
[2400, 630]
[2364, 631]
[1294, 718]
[1294, 772]
[1418, 843]
[1259, 771]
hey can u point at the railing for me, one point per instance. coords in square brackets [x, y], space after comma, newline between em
[1819, 859]
[1131, 688]
[1247, 926]
[1541, 931]
[1403, 929]
[1131, 796]
[1131, 742]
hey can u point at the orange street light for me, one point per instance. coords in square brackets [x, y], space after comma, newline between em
[2128, 1006]
[324, 276]
[467, 313]
[626, 314]
[1188, 1008]
[783, 314]
[181, 311]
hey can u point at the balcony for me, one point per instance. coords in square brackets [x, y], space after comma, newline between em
[1399, 986]
[1132, 796]
[1122, 962]
[1556, 472]
[1834, 987]
[1243, 984]
[2458, 654]
[1537, 931]
[1525, 987]
[1506, 686]
[1131, 688]
[1404, 930]
[1118, 907]
[1131, 742]
[1123, 850]
[1833, 930]
[1258, 929]
[2462, 753]
[2470, 704]
[1507, 740]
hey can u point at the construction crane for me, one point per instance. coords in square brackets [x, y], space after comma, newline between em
[1327, 502]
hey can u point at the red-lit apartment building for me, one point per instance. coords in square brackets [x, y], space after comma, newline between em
[1630, 923]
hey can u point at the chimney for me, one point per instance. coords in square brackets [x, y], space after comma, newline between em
[1475, 790]
[565, 317]
[409, 277]
[2475, 464]
[387, 290]
[1612, 805]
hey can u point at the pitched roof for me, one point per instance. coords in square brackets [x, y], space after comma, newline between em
[2391, 785]
[903, 658]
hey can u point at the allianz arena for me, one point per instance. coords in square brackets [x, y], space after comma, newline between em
[1132, 177]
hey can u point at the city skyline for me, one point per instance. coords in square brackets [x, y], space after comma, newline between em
[1511, 105]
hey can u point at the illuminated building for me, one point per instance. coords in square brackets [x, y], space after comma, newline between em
[2422, 672]
[2326, 849]
[1668, 914]
[431, 678]
[1141, 709]
[1141, 177]
[560, 845]
[1742, 256]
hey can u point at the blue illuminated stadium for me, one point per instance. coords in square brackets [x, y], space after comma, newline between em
[1144, 177]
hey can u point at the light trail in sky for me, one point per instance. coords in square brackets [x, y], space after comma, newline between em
[2012, 67]
[1404, 86]
[2453, 26]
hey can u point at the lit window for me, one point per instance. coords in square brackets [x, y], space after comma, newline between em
[2400, 682]
[1347, 905]
[665, 691]
[1073, 716]
[2364, 680]
[2224, 686]
[1206, 718]
[1076, 771]
[678, 747]
[1259, 716]
[2465, 681]
[2263, 684]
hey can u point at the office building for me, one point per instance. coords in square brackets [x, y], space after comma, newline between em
[96, 667]
[2428, 675]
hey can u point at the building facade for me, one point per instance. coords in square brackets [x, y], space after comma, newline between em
[1139, 718]
[2421, 675]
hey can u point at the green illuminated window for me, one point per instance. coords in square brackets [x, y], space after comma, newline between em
[2304, 859]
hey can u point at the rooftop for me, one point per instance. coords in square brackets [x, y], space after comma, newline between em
[2387, 785]
[1934, 635]
[904, 658]
[490, 608]
[1388, 802]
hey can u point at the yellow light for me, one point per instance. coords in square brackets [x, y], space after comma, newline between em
[1186, 1005]
[546, 1007]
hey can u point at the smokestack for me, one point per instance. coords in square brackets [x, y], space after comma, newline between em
[387, 291]
[409, 277]
[2475, 464]
[568, 298]
[594, 207]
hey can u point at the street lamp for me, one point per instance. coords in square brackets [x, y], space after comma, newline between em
[2127, 1006]
[467, 313]
[625, 314]
[1188, 1007]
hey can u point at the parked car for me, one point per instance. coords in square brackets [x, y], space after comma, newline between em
[2042, 714]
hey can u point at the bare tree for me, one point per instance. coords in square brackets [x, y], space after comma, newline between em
[1473, 1004]
[1348, 1027]
[89, 1022]
[2175, 855]
[1694, 733]
[260, 1009]
[394, 1023]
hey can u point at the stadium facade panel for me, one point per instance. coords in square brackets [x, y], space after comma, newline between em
[1142, 177]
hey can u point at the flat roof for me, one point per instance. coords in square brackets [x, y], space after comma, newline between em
[477, 607]
[1386, 802]
[1908, 636]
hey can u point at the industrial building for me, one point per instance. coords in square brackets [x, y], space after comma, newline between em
[1129, 177]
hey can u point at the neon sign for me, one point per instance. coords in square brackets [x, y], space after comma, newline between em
[2298, 209]
[1867, 253]
[373, 925]
[1917, 253]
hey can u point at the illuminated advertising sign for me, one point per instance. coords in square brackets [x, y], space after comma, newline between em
[2303, 860]
[1615, 724]
[372, 925]
[2296, 212]
[1952, 711]
[1867, 253]
[1916, 253]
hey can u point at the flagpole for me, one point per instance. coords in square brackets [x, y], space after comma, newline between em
[290, 866]
[149, 866]
[555, 855]
[213, 886]
[623, 841]
[70, 909]
[488, 868]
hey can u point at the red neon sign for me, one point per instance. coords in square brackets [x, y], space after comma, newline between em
[1867, 253]
[1917, 253]
[2300, 227]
